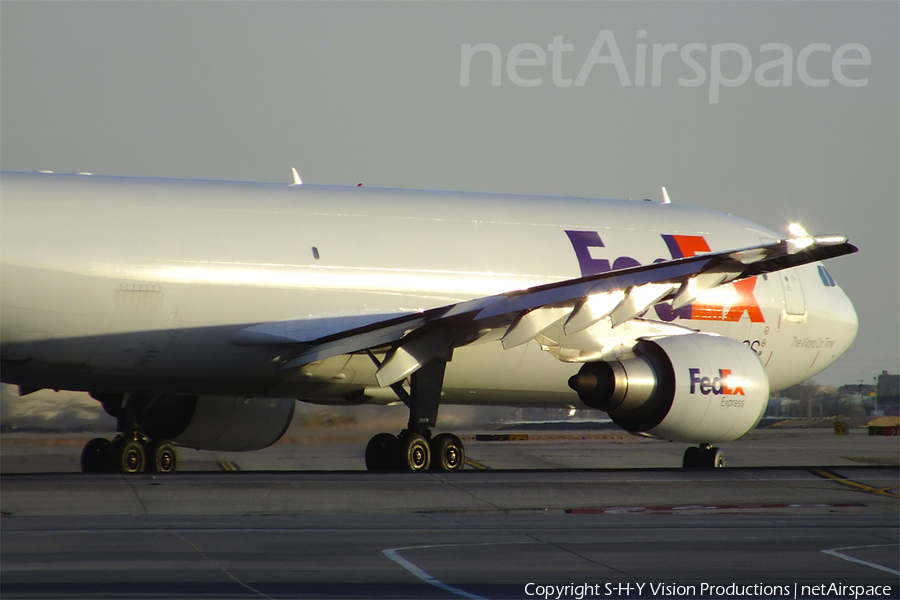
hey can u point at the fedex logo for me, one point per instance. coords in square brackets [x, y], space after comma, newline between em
[718, 386]
[684, 246]
[587, 245]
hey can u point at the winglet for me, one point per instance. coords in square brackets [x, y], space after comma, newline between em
[296, 177]
[666, 196]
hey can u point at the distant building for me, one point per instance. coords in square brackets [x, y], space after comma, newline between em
[888, 386]
[888, 393]
[857, 389]
[778, 407]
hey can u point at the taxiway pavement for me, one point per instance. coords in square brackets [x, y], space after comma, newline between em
[336, 532]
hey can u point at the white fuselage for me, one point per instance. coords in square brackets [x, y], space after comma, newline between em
[115, 284]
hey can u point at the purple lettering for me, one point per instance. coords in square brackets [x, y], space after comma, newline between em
[582, 242]
[694, 379]
[668, 314]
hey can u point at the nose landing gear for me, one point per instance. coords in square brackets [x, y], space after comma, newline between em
[703, 457]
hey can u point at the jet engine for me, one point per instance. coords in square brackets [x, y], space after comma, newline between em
[208, 422]
[696, 388]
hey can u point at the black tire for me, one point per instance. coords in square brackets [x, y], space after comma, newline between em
[162, 457]
[96, 455]
[415, 453]
[714, 458]
[447, 453]
[382, 452]
[691, 458]
[129, 456]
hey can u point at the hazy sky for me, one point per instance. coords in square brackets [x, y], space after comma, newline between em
[374, 92]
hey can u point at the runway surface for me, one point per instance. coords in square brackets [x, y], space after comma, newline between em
[343, 449]
[438, 556]
[474, 534]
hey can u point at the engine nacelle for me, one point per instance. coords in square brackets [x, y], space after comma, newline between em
[212, 422]
[695, 388]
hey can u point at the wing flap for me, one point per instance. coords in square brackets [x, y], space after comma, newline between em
[638, 300]
[407, 358]
[531, 324]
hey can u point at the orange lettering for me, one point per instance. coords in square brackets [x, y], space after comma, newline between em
[706, 312]
[691, 244]
[746, 302]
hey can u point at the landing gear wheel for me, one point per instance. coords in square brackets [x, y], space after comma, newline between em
[128, 456]
[382, 452]
[415, 454]
[447, 453]
[691, 458]
[96, 455]
[704, 457]
[162, 456]
[713, 458]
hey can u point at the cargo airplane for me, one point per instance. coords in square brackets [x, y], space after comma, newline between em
[197, 313]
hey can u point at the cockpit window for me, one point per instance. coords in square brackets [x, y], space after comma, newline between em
[827, 279]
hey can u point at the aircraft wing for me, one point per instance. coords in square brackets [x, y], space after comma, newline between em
[414, 338]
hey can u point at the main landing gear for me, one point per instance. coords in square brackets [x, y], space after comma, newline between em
[703, 457]
[414, 449]
[415, 452]
[128, 455]
[130, 451]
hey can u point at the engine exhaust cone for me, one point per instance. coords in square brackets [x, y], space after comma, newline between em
[597, 386]
[583, 382]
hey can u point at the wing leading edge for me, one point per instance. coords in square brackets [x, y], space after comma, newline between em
[414, 338]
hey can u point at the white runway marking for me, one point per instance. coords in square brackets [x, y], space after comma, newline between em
[394, 555]
[836, 553]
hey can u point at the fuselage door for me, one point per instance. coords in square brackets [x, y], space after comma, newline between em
[794, 301]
